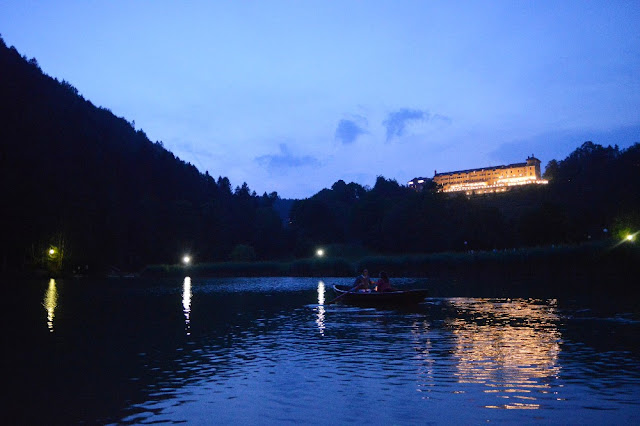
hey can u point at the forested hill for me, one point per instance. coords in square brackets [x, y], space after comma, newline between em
[77, 178]
[593, 194]
[81, 185]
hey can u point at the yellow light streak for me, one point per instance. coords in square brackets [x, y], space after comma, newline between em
[501, 352]
[50, 303]
[484, 186]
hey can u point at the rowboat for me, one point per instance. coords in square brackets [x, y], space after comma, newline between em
[398, 297]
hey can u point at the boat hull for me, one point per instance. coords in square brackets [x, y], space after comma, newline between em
[401, 297]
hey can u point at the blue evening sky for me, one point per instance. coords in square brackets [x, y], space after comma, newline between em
[290, 96]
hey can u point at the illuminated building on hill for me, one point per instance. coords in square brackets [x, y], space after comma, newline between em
[487, 179]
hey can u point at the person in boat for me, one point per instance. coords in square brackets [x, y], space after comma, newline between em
[363, 282]
[383, 283]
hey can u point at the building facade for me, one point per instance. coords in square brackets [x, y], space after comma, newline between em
[487, 179]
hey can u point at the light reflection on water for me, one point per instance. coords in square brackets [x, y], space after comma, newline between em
[511, 347]
[186, 303]
[320, 309]
[271, 351]
[50, 303]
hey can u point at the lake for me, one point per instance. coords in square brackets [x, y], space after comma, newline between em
[273, 351]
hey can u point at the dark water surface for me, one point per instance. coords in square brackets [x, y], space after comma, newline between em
[272, 351]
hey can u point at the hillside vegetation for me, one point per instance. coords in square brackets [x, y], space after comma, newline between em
[593, 194]
[83, 190]
[79, 179]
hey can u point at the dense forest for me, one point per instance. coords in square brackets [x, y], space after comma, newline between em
[81, 184]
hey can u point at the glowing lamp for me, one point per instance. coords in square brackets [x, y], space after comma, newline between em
[52, 252]
[320, 252]
[186, 260]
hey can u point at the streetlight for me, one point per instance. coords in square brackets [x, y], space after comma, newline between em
[320, 252]
[186, 259]
[52, 252]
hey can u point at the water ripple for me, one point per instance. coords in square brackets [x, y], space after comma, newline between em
[272, 351]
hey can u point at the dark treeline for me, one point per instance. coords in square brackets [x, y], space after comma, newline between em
[593, 194]
[84, 182]
[78, 180]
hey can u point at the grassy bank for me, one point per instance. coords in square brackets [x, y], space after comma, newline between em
[540, 262]
[598, 260]
[330, 267]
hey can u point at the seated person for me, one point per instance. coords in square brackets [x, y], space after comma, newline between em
[363, 282]
[384, 284]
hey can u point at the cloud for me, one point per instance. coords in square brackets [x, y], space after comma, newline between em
[286, 160]
[397, 121]
[349, 130]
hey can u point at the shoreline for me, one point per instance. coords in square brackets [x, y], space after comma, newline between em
[601, 259]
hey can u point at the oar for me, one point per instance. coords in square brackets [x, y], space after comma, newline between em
[343, 294]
